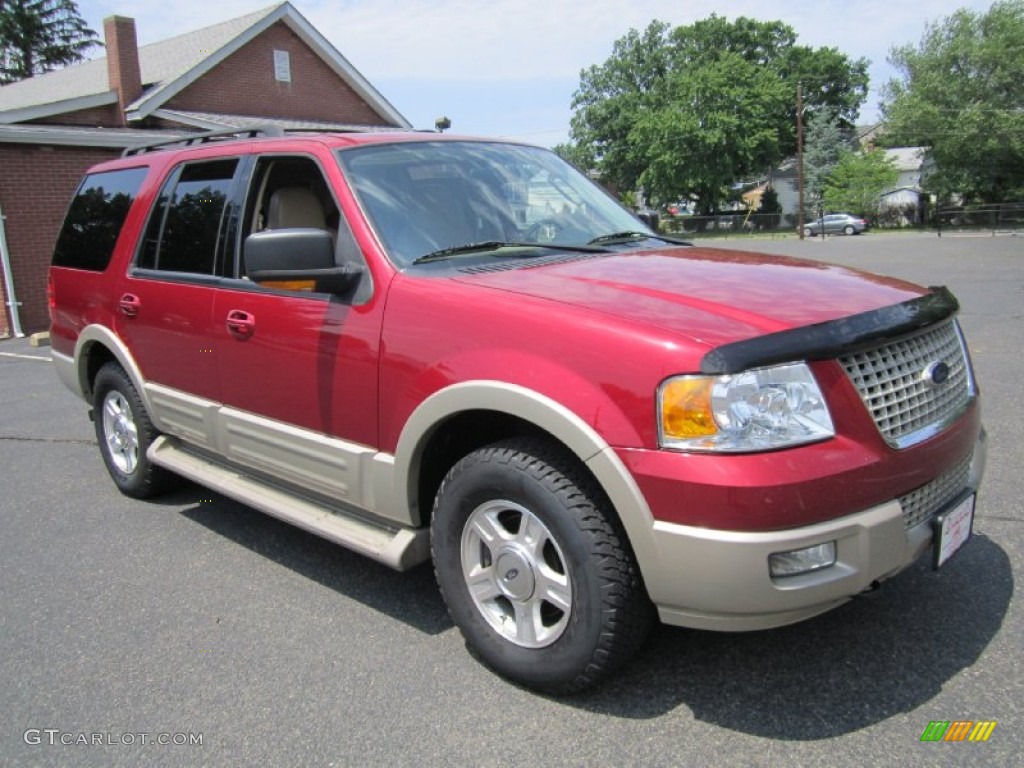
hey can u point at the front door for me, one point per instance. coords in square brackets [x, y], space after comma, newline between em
[298, 369]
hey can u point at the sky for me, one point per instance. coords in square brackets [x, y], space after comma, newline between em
[509, 68]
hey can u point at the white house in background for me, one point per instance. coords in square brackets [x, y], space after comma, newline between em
[902, 205]
[784, 181]
[902, 201]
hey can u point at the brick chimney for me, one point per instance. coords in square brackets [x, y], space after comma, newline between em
[123, 70]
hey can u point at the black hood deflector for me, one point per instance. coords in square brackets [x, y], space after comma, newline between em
[834, 338]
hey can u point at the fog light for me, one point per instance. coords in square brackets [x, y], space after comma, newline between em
[802, 560]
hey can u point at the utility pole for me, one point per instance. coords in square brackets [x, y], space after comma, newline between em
[800, 159]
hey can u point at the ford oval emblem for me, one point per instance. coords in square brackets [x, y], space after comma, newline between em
[936, 374]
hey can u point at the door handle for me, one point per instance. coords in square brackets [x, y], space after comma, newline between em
[241, 323]
[129, 304]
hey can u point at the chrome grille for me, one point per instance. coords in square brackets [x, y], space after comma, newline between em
[921, 504]
[890, 380]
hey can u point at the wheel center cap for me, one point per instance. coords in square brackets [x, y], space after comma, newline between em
[514, 575]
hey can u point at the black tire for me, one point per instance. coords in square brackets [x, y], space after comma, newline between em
[849, 230]
[583, 561]
[125, 432]
[808, 232]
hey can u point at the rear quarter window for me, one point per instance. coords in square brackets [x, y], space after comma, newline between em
[95, 217]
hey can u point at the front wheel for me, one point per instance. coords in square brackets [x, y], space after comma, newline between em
[808, 232]
[535, 569]
[125, 432]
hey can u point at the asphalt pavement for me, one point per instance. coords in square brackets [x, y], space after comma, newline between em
[195, 619]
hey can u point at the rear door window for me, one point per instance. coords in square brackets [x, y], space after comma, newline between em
[95, 217]
[188, 229]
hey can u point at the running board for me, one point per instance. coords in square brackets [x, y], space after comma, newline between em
[399, 548]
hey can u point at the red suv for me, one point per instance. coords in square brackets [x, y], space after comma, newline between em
[431, 348]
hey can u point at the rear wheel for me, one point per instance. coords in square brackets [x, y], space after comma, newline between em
[535, 569]
[848, 229]
[125, 432]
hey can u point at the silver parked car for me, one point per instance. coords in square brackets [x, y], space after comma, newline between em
[835, 223]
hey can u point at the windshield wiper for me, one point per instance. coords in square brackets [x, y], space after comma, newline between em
[495, 245]
[625, 237]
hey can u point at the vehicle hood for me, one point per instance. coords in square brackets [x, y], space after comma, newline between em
[713, 296]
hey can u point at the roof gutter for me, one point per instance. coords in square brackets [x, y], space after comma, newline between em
[40, 111]
[12, 299]
[72, 136]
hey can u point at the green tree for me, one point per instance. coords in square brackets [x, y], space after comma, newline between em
[824, 146]
[858, 180]
[770, 209]
[612, 95]
[39, 35]
[571, 153]
[689, 110]
[723, 136]
[961, 92]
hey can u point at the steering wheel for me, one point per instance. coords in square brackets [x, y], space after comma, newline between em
[544, 231]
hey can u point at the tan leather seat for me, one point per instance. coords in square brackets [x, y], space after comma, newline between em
[295, 207]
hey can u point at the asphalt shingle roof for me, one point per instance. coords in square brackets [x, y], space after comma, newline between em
[218, 120]
[161, 63]
[907, 158]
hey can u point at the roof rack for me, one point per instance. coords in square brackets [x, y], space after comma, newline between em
[289, 131]
[202, 138]
[342, 129]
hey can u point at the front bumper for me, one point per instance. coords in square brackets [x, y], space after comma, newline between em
[714, 579]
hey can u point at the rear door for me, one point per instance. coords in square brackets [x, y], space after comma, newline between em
[165, 309]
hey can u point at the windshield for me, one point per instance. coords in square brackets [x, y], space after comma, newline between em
[430, 199]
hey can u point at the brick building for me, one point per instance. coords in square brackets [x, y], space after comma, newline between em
[268, 67]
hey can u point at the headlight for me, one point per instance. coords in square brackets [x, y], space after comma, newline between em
[756, 410]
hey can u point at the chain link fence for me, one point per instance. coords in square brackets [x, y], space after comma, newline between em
[1001, 218]
[730, 224]
[1004, 218]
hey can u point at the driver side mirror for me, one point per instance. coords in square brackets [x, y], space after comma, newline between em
[300, 255]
